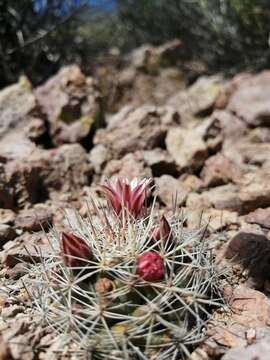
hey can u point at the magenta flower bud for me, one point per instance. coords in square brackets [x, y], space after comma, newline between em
[150, 266]
[74, 250]
[124, 195]
[161, 231]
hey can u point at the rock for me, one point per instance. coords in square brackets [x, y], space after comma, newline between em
[211, 132]
[160, 162]
[252, 251]
[219, 170]
[187, 148]
[65, 169]
[130, 166]
[232, 127]
[255, 154]
[255, 190]
[251, 192]
[6, 193]
[198, 201]
[4, 349]
[22, 183]
[12, 311]
[16, 273]
[18, 106]
[258, 351]
[260, 217]
[25, 253]
[250, 101]
[169, 190]
[141, 129]
[21, 338]
[135, 87]
[16, 147]
[199, 99]
[191, 182]
[99, 155]
[7, 216]
[250, 309]
[224, 197]
[217, 220]
[7, 233]
[150, 58]
[259, 135]
[39, 218]
[72, 104]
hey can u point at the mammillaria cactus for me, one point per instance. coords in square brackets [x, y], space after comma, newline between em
[114, 289]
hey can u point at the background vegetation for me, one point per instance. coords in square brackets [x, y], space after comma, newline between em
[37, 37]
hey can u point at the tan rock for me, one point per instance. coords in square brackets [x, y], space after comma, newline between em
[199, 99]
[259, 350]
[260, 217]
[249, 309]
[219, 170]
[216, 219]
[187, 148]
[130, 166]
[131, 129]
[169, 189]
[250, 101]
[71, 102]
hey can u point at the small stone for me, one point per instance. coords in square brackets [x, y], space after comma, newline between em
[191, 182]
[7, 216]
[4, 349]
[250, 309]
[219, 170]
[160, 162]
[187, 148]
[260, 217]
[129, 166]
[252, 251]
[199, 99]
[12, 311]
[99, 155]
[250, 101]
[136, 129]
[25, 253]
[71, 102]
[34, 219]
[169, 189]
[7, 233]
[216, 219]
[257, 351]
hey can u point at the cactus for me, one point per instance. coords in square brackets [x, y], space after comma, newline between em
[141, 288]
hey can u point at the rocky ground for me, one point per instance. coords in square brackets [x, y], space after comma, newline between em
[208, 142]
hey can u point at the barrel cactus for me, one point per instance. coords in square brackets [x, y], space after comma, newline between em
[124, 283]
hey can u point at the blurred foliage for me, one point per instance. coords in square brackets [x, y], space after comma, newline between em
[224, 34]
[35, 42]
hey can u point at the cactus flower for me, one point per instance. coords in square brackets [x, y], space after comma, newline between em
[74, 250]
[161, 231]
[150, 266]
[126, 195]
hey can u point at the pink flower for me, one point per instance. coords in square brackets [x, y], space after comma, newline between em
[124, 195]
[150, 266]
[161, 231]
[75, 250]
